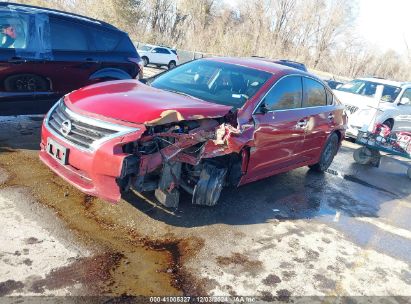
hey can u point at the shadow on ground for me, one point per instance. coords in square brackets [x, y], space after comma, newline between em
[347, 188]
[21, 132]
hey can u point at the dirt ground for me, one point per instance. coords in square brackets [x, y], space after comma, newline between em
[346, 232]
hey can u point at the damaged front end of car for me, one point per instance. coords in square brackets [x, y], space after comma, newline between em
[197, 156]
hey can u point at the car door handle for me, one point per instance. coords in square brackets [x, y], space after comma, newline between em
[302, 123]
[16, 60]
[91, 60]
[331, 116]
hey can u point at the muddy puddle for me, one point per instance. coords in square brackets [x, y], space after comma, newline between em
[126, 263]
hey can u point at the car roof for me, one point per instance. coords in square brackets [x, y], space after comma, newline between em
[263, 65]
[36, 9]
[160, 46]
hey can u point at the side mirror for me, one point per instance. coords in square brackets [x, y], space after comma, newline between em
[404, 101]
[262, 109]
[153, 51]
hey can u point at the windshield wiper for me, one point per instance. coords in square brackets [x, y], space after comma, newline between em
[182, 93]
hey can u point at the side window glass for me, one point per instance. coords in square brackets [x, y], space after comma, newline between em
[13, 31]
[161, 51]
[330, 97]
[67, 36]
[104, 40]
[286, 94]
[314, 93]
[407, 94]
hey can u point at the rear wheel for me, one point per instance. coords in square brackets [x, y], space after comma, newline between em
[327, 155]
[26, 83]
[362, 156]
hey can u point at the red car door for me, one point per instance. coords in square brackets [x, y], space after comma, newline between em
[320, 118]
[279, 129]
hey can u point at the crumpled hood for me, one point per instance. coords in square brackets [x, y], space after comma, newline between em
[133, 101]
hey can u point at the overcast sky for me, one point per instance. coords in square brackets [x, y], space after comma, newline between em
[385, 23]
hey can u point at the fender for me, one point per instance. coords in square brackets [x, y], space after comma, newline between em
[111, 73]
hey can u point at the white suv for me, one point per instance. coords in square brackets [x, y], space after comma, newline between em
[158, 55]
[364, 109]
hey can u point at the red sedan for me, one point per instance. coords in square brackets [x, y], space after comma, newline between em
[204, 125]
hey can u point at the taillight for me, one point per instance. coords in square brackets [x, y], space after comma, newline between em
[139, 62]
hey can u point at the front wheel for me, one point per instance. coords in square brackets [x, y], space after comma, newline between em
[145, 61]
[327, 155]
[362, 156]
[172, 65]
[389, 123]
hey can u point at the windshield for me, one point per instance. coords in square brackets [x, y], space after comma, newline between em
[218, 82]
[146, 48]
[368, 88]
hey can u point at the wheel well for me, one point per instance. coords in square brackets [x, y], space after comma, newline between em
[145, 57]
[390, 120]
[338, 132]
[9, 78]
[172, 61]
[234, 164]
[110, 74]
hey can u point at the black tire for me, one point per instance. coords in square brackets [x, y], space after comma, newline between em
[327, 155]
[145, 60]
[389, 123]
[172, 64]
[208, 188]
[362, 156]
[26, 83]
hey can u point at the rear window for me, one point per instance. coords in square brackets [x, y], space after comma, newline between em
[126, 45]
[105, 40]
[161, 51]
[174, 52]
[68, 36]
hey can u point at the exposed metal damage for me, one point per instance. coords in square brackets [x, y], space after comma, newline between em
[173, 154]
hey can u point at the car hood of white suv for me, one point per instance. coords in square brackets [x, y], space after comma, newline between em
[360, 101]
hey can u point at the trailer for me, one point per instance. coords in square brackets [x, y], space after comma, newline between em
[381, 139]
